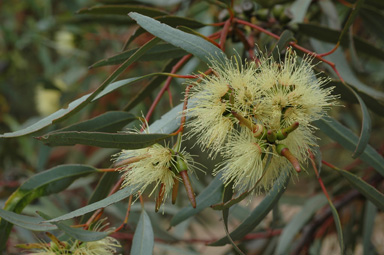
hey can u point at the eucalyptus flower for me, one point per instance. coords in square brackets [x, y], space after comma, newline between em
[269, 106]
[158, 166]
[151, 165]
[105, 246]
[211, 119]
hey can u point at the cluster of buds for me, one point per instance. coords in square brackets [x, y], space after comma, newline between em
[159, 165]
[257, 117]
[105, 246]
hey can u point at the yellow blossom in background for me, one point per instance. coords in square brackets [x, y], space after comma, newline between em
[65, 42]
[47, 100]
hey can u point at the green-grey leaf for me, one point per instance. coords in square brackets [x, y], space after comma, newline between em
[104, 140]
[122, 10]
[209, 196]
[195, 45]
[339, 59]
[108, 122]
[346, 138]
[27, 222]
[285, 38]
[81, 234]
[151, 86]
[45, 183]
[227, 195]
[77, 233]
[369, 224]
[159, 52]
[339, 228]
[114, 198]
[357, 6]
[293, 227]
[364, 188]
[259, 212]
[172, 21]
[330, 35]
[366, 128]
[101, 190]
[75, 106]
[143, 239]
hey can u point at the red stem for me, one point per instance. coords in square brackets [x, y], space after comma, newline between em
[166, 85]
[318, 176]
[224, 34]
[293, 44]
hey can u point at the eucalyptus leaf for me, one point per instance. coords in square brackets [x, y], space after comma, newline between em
[107, 122]
[104, 140]
[209, 196]
[259, 213]
[122, 10]
[143, 239]
[298, 222]
[81, 234]
[27, 222]
[114, 198]
[370, 213]
[75, 106]
[45, 183]
[330, 35]
[367, 190]
[193, 44]
[77, 233]
[159, 52]
[339, 229]
[346, 138]
[173, 21]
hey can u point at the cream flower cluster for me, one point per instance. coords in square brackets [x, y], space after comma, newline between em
[106, 246]
[155, 165]
[257, 117]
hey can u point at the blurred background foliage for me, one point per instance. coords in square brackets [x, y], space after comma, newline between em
[46, 48]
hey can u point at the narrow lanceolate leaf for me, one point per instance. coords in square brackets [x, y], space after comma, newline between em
[151, 86]
[159, 52]
[114, 198]
[104, 140]
[369, 224]
[101, 191]
[193, 44]
[339, 228]
[259, 212]
[346, 138]
[285, 38]
[143, 239]
[122, 10]
[329, 35]
[45, 183]
[367, 190]
[108, 122]
[356, 8]
[209, 196]
[172, 21]
[366, 127]
[105, 88]
[77, 233]
[81, 234]
[227, 195]
[298, 222]
[27, 222]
